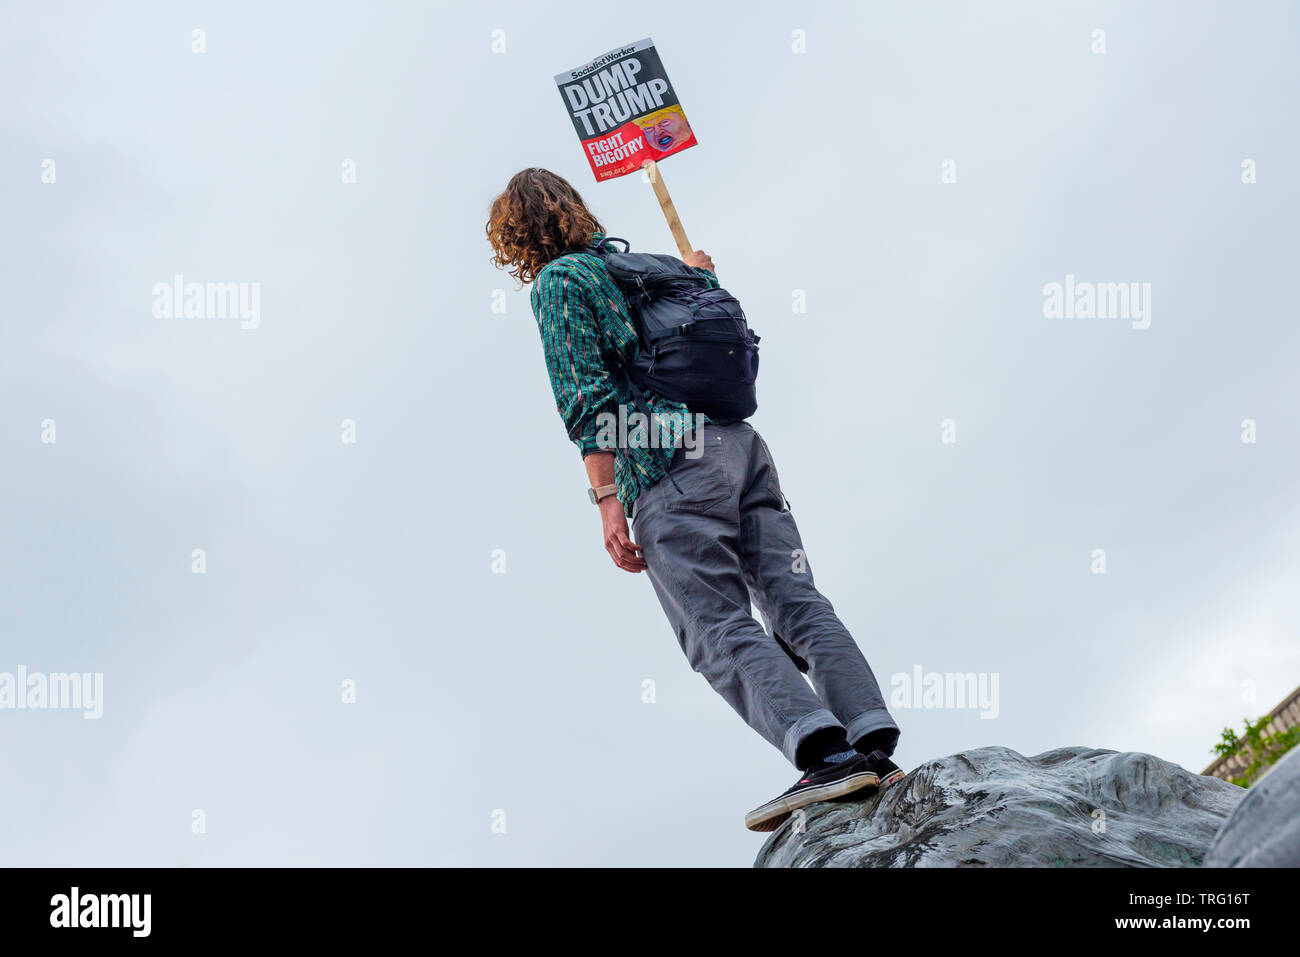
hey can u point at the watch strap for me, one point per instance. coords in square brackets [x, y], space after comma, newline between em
[603, 492]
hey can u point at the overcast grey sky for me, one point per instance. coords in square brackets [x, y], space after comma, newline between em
[372, 561]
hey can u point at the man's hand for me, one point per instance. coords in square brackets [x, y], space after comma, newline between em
[700, 258]
[625, 553]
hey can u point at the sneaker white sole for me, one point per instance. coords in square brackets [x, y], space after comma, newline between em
[772, 815]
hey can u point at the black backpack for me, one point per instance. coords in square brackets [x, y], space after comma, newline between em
[696, 347]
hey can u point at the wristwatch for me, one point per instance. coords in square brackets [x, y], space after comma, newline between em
[596, 494]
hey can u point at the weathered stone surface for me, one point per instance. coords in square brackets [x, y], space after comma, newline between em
[1264, 830]
[992, 807]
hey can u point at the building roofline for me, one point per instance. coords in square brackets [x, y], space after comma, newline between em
[1285, 715]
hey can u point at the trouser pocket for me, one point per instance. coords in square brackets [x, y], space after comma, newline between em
[702, 482]
[772, 479]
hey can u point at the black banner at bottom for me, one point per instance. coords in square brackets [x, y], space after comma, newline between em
[334, 907]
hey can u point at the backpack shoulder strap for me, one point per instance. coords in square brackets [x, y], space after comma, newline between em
[598, 249]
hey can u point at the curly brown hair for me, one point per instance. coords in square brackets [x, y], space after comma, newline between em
[538, 217]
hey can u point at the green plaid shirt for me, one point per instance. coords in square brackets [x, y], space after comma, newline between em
[584, 322]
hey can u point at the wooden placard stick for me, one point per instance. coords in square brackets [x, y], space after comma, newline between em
[666, 204]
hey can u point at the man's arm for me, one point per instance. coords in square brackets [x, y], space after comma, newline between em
[583, 389]
[621, 548]
[582, 386]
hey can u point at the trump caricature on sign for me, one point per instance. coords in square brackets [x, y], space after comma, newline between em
[665, 130]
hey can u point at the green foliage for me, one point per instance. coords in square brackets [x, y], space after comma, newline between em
[1264, 750]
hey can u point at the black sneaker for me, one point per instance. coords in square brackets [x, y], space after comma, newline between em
[853, 776]
[885, 769]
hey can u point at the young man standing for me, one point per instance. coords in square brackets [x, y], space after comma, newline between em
[711, 526]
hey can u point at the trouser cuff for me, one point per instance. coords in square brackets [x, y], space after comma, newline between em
[869, 721]
[812, 721]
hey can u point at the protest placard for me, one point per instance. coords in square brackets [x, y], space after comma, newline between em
[624, 110]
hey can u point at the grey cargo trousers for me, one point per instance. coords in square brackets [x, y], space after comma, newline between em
[726, 539]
